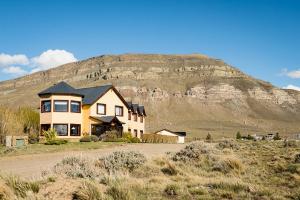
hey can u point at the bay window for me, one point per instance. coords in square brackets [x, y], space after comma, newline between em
[75, 106]
[61, 106]
[46, 106]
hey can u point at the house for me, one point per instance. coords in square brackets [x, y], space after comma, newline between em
[93, 111]
[269, 136]
[179, 135]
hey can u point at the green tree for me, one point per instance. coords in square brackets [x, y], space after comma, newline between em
[208, 137]
[238, 135]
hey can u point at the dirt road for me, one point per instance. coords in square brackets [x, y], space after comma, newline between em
[31, 166]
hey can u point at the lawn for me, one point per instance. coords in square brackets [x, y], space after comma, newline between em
[42, 148]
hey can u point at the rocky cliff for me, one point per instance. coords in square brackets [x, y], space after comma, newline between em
[181, 92]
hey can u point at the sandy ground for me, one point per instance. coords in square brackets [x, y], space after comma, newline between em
[31, 166]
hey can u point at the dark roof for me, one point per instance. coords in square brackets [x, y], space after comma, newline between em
[136, 108]
[92, 94]
[107, 119]
[179, 133]
[60, 88]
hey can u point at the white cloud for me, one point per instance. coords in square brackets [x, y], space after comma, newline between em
[291, 74]
[293, 87]
[19, 59]
[14, 70]
[51, 58]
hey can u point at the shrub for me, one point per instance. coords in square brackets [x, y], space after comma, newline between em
[77, 167]
[33, 138]
[121, 160]
[208, 137]
[86, 138]
[5, 192]
[109, 136]
[135, 140]
[94, 138]
[172, 190]
[56, 142]
[192, 152]
[119, 192]
[228, 165]
[277, 137]
[20, 187]
[290, 143]
[170, 169]
[231, 144]
[156, 138]
[238, 135]
[297, 158]
[50, 135]
[88, 191]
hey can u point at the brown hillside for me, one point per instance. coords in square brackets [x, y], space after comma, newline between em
[181, 92]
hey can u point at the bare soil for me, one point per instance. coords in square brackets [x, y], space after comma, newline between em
[32, 166]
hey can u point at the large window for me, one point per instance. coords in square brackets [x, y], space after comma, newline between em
[45, 127]
[129, 115]
[75, 129]
[61, 106]
[119, 110]
[141, 119]
[101, 109]
[75, 106]
[61, 129]
[135, 117]
[46, 106]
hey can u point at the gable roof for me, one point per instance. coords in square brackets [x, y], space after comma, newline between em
[92, 94]
[60, 88]
[107, 119]
[179, 133]
[136, 108]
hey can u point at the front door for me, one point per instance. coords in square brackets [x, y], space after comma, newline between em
[98, 129]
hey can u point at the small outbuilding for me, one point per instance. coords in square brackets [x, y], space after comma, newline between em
[179, 134]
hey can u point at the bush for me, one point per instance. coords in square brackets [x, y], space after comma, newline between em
[297, 158]
[156, 138]
[94, 138]
[172, 190]
[21, 187]
[6, 193]
[229, 164]
[121, 160]
[135, 140]
[56, 142]
[50, 134]
[238, 135]
[231, 144]
[118, 192]
[33, 138]
[208, 137]
[86, 138]
[87, 191]
[290, 143]
[277, 137]
[77, 167]
[109, 136]
[170, 169]
[192, 152]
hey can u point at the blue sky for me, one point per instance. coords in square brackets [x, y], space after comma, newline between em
[262, 38]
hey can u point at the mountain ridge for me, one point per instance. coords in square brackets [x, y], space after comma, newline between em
[191, 92]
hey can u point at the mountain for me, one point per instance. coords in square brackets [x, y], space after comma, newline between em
[194, 92]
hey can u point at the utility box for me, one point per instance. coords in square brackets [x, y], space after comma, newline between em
[16, 141]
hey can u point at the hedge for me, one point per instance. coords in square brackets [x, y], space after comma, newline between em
[156, 138]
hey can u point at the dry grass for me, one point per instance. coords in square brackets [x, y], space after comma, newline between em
[254, 170]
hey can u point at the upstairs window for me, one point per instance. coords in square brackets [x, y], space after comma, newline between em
[129, 115]
[46, 106]
[75, 106]
[119, 110]
[135, 117]
[101, 109]
[61, 106]
[141, 119]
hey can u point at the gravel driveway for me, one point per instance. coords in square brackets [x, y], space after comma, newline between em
[31, 166]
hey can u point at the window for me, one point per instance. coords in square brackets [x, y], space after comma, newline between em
[141, 133]
[129, 130]
[75, 106]
[46, 106]
[75, 129]
[141, 119]
[45, 127]
[135, 133]
[119, 110]
[135, 117]
[61, 129]
[61, 106]
[101, 109]
[129, 115]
